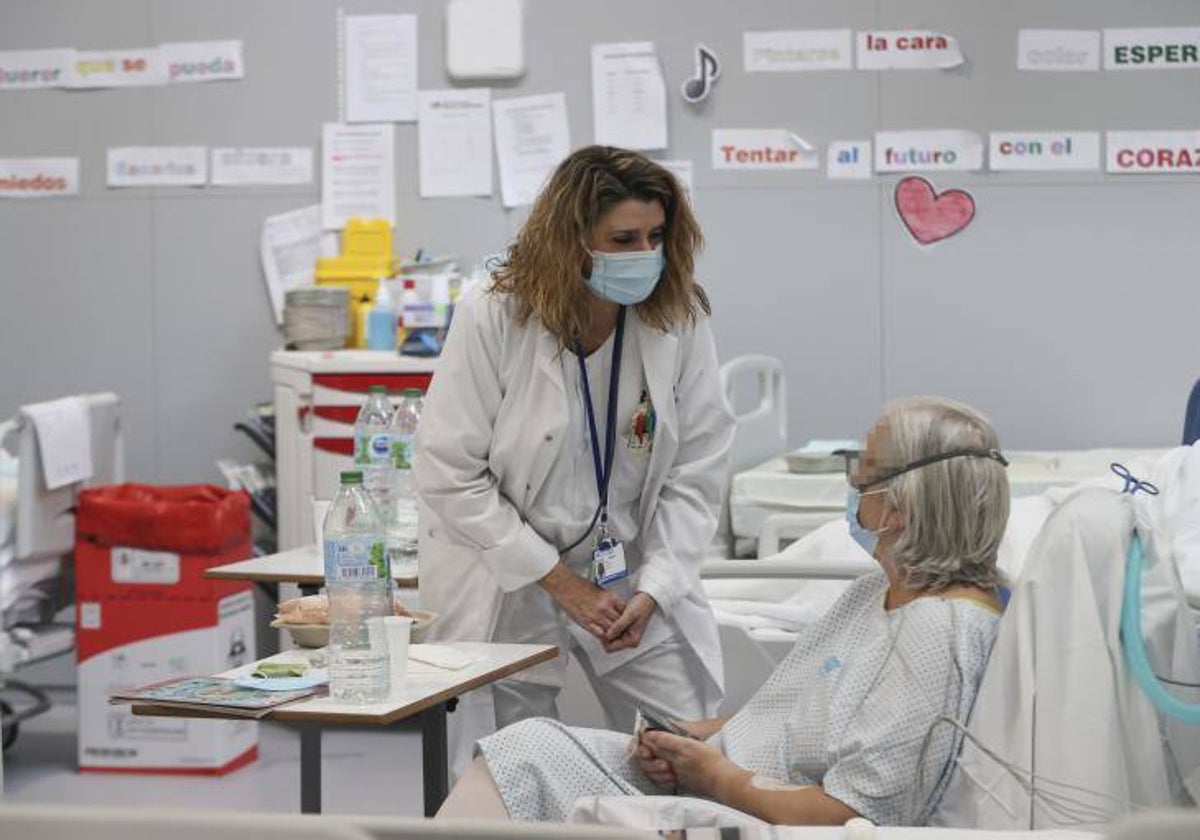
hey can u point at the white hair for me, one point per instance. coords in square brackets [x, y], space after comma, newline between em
[955, 510]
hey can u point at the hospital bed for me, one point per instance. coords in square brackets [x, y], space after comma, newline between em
[768, 501]
[761, 605]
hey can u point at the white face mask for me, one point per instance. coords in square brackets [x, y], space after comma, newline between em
[628, 277]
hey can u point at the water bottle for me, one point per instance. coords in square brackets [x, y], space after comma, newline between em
[373, 450]
[402, 533]
[358, 581]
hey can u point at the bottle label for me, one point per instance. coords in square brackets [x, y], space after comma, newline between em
[356, 558]
[372, 450]
[402, 452]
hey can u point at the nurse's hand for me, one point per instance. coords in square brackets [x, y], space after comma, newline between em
[626, 631]
[592, 608]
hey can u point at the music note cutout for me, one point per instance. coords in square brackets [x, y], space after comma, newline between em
[708, 70]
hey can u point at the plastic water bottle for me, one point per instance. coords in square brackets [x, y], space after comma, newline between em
[373, 450]
[402, 533]
[358, 581]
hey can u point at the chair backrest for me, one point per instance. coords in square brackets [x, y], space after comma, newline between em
[1060, 735]
[45, 522]
[760, 433]
[1191, 416]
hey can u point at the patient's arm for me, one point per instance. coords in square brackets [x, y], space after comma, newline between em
[701, 769]
[779, 802]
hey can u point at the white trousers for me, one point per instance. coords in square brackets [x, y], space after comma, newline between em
[667, 679]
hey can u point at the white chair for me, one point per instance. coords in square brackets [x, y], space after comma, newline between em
[1061, 735]
[760, 433]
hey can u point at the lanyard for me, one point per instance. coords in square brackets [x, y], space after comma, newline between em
[603, 470]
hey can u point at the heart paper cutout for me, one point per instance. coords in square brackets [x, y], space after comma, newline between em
[928, 215]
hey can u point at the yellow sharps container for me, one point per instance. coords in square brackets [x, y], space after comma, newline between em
[366, 259]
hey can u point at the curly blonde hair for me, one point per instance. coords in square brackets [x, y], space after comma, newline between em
[543, 268]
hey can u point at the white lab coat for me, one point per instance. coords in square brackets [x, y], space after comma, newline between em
[494, 422]
[1057, 695]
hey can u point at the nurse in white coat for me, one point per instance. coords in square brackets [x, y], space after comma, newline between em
[573, 454]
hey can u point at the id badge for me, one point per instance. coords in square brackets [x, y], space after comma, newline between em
[608, 562]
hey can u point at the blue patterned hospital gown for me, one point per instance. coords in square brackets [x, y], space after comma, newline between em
[855, 707]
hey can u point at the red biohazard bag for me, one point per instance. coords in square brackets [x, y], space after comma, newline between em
[191, 518]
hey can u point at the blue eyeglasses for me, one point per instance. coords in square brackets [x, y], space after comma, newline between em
[852, 457]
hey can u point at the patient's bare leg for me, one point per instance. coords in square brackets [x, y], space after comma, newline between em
[475, 796]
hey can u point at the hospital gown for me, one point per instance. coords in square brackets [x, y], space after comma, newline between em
[857, 706]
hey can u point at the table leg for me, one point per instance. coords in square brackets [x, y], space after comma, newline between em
[434, 757]
[310, 768]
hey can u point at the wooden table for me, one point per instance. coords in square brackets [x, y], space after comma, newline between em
[429, 693]
[304, 565]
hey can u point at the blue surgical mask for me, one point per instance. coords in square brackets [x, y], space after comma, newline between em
[626, 278]
[865, 537]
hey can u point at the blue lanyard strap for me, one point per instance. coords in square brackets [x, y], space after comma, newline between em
[603, 471]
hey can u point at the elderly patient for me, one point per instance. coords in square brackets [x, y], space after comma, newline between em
[859, 719]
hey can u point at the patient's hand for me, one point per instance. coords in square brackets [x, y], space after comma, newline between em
[656, 769]
[697, 767]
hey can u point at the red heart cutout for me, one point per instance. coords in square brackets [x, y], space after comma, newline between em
[929, 216]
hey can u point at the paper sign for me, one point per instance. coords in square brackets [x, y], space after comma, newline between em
[1148, 152]
[289, 247]
[116, 68]
[1058, 49]
[682, 170]
[203, 61]
[64, 440]
[261, 165]
[454, 142]
[761, 149]
[629, 98]
[1029, 151]
[911, 49]
[1152, 49]
[157, 166]
[531, 139]
[932, 151]
[26, 69]
[358, 173]
[380, 68]
[38, 177]
[798, 50]
[848, 159]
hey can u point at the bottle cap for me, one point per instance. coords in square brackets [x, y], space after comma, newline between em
[376, 389]
[352, 477]
[413, 392]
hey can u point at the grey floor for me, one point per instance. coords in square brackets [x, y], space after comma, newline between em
[364, 772]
